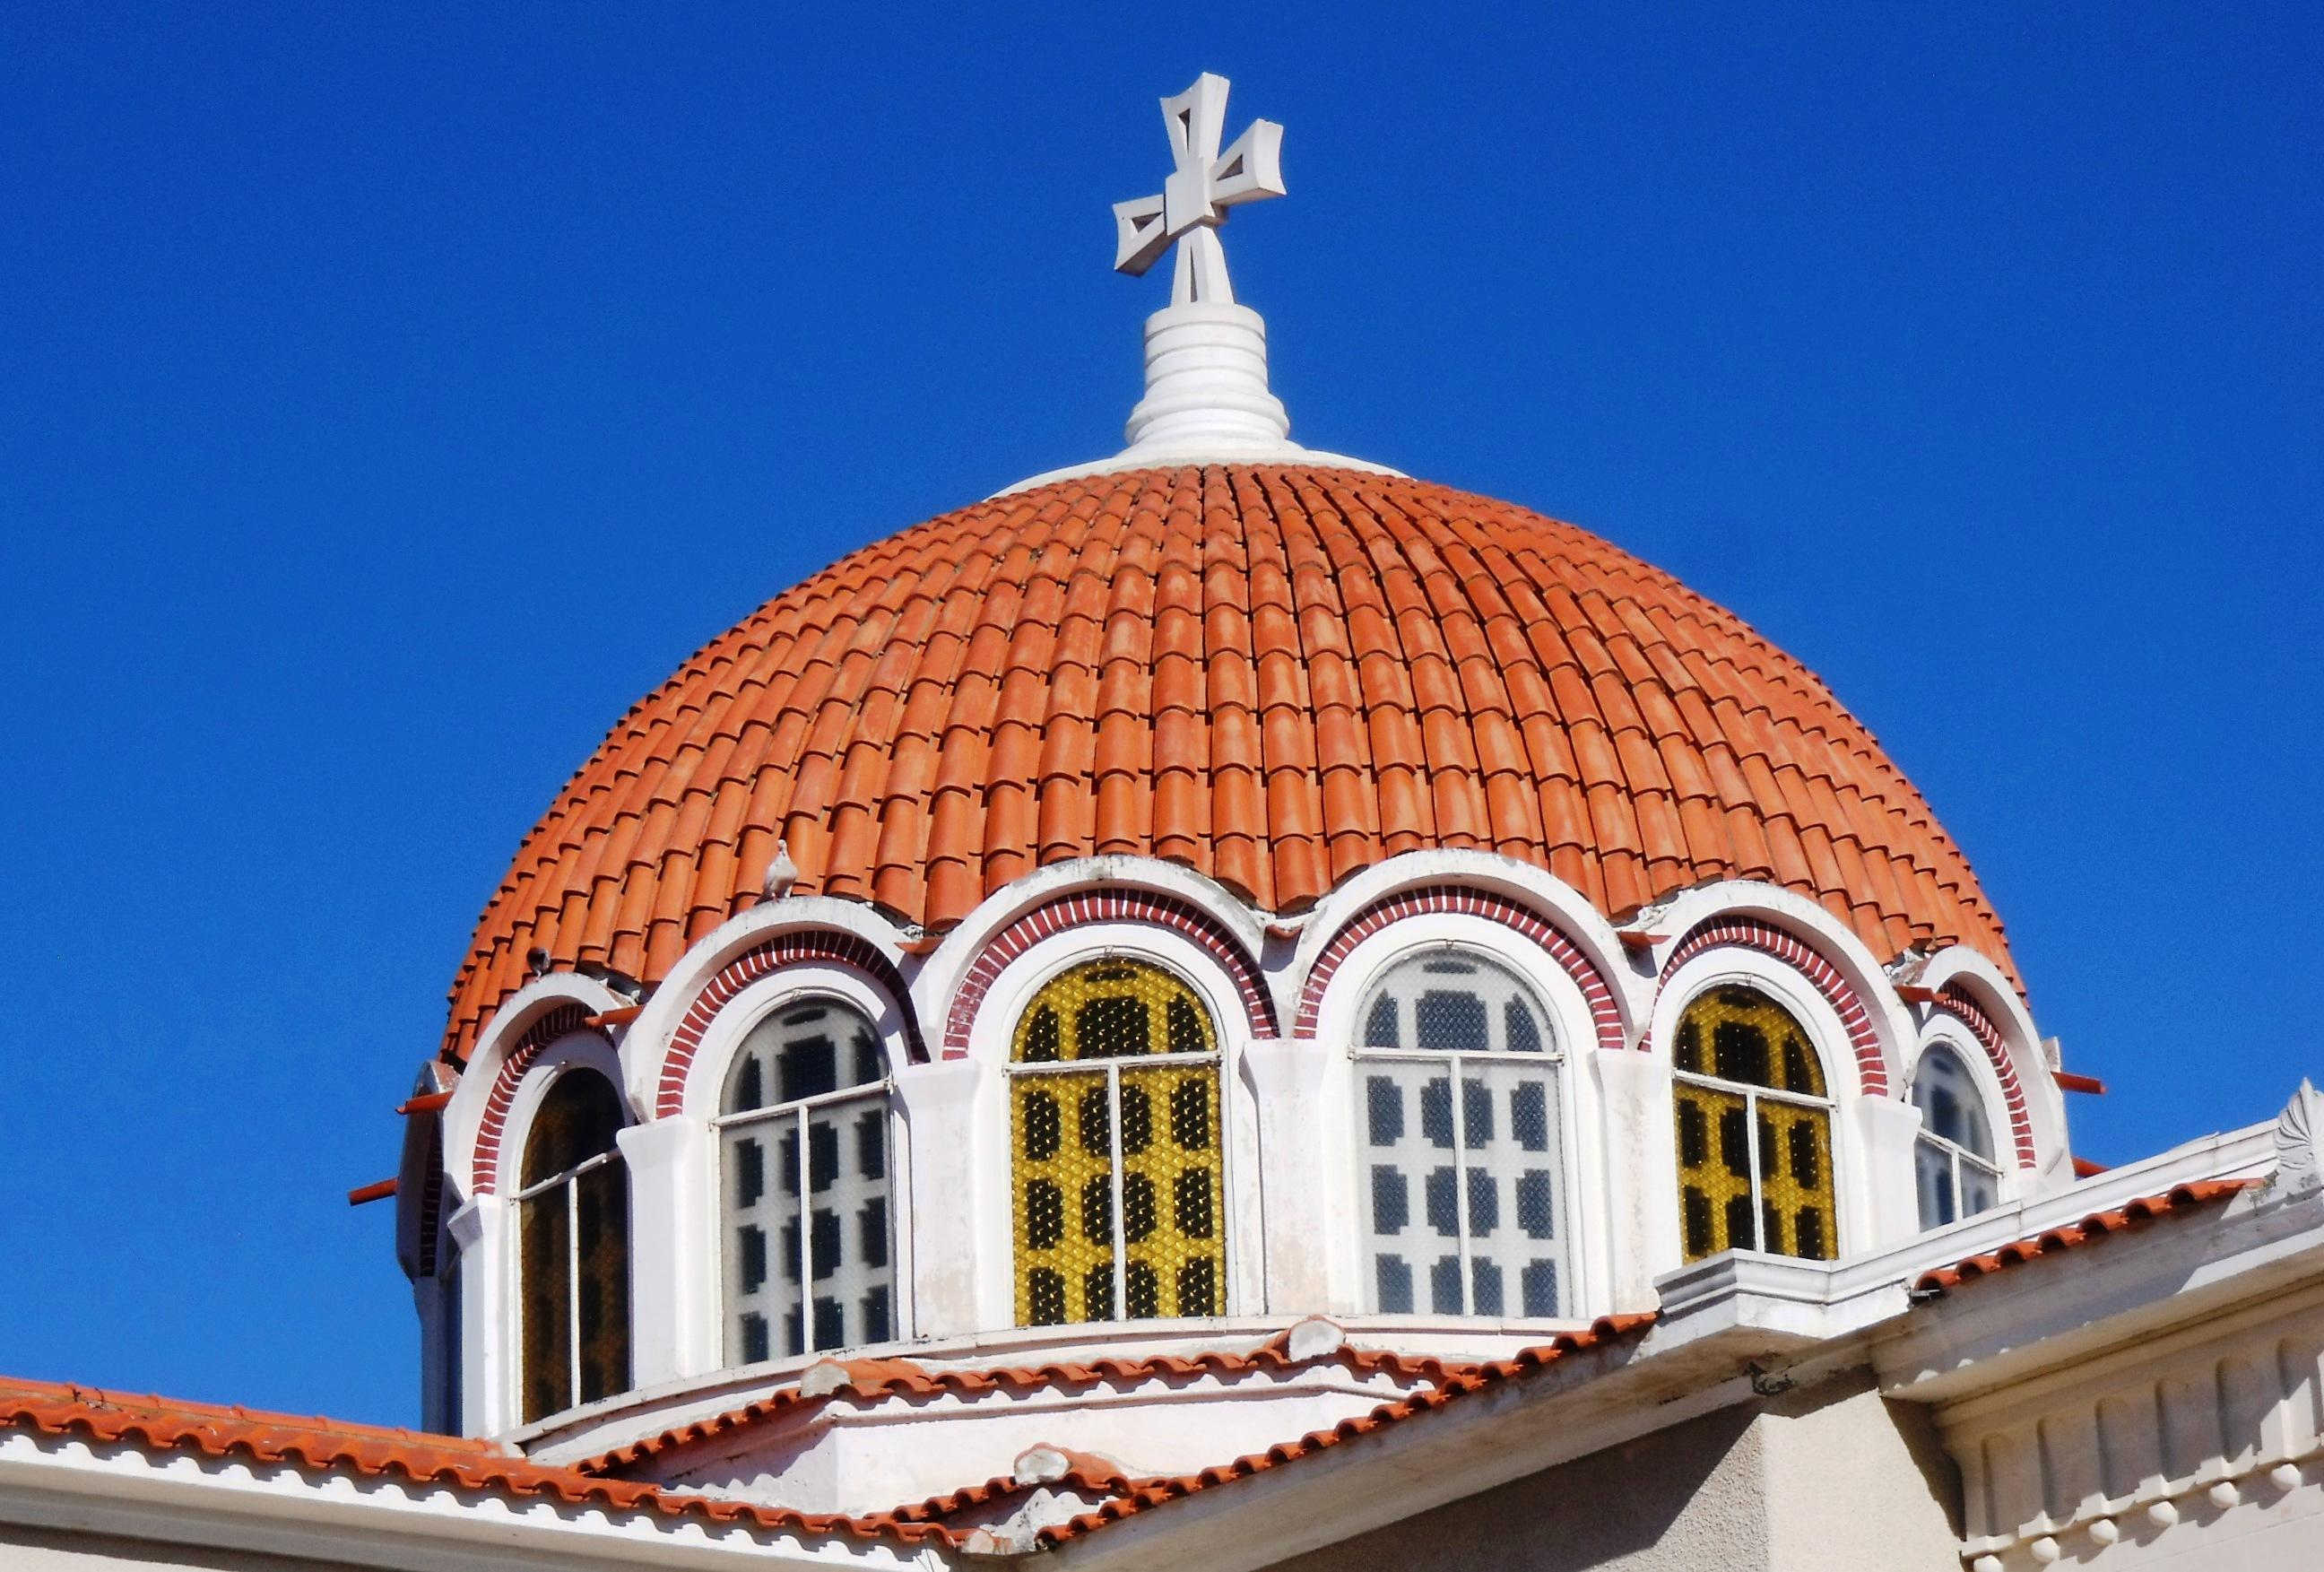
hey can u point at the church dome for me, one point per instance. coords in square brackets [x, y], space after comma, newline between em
[1274, 673]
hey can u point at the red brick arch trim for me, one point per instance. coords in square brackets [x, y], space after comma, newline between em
[1957, 1004]
[1462, 901]
[561, 1021]
[839, 949]
[1052, 917]
[1748, 933]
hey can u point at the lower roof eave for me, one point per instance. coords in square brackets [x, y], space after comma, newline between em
[75, 1487]
[1370, 1476]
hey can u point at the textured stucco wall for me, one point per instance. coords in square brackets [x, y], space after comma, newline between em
[1829, 1478]
[1679, 1500]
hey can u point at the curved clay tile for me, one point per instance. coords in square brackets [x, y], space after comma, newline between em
[1276, 675]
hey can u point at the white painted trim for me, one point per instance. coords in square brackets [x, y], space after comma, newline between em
[337, 1518]
[646, 1043]
[1580, 1120]
[1011, 994]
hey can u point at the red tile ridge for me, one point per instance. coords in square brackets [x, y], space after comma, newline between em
[874, 1379]
[1476, 1378]
[2178, 1201]
[322, 1446]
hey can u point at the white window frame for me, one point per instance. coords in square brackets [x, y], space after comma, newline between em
[1977, 1069]
[881, 1091]
[704, 1254]
[1553, 1055]
[997, 1018]
[1590, 1156]
[1819, 1025]
[569, 1054]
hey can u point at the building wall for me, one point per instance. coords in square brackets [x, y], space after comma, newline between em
[1829, 1478]
[30, 1550]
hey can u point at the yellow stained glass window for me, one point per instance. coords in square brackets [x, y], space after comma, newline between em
[1120, 1196]
[1754, 1130]
[573, 1242]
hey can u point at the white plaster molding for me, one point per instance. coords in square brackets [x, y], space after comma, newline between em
[1555, 901]
[1289, 1087]
[938, 977]
[516, 1016]
[674, 1256]
[645, 1041]
[2298, 1130]
[245, 1509]
[938, 1104]
[1893, 1024]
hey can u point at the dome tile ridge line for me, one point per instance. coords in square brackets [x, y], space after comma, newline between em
[1956, 1002]
[1460, 900]
[1347, 827]
[1758, 934]
[1083, 907]
[643, 851]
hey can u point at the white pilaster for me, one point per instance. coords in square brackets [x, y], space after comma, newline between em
[1639, 1188]
[1886, 1191]
[1300, 1223]
[939, 1105]
[484, 1230]
[674, 1322]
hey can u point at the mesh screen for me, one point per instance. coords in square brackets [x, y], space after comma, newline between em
[1164, 1211]
[808, 1255]
[573, 1246]
[1784, 1208]
[1462, 1200]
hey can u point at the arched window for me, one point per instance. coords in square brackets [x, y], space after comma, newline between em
[573, 1230]
[1754, 1130]
[1107, 1149]
[1464, 1197]
[803, 1143]
[1953, 1157]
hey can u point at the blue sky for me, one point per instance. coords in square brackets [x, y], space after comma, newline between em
[389, 395]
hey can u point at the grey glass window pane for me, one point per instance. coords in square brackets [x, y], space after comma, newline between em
[1383, 1109]
[1443, 1020]
[1484, 1204]
[1476, 1114]
[1485, 1284]
[1538, 1283]
[1529, 1114]
[1537, 1204]
[1391, 1200]
[1444, 1286]
[1932, 1172]
[1379, 1025]
[1394, 1284]
[1436, 1112]
[1443, 1206]
[1518, 1025]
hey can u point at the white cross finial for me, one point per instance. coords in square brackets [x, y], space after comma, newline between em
[1203, 185]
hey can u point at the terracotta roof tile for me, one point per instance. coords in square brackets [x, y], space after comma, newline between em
[2180, 1200]
[953, 707]
[321, 1446]
[877, 1379]
[1143, 1496]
